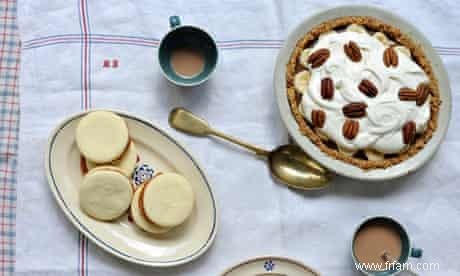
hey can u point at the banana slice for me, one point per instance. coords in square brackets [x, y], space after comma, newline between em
[346, 151]
[373, 155]
[356, 28]
[300, 107]
[383, 38]
[403, 50]
[303, 58]
[301, 81]
[327, 33]
[322, 135]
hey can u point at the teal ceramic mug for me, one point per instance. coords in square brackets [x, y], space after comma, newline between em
[187, 37]
[406, 249]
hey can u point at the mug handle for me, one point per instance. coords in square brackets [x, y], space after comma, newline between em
[416, 252]
[174, 21]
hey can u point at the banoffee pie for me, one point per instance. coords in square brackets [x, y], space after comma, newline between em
[363, 92]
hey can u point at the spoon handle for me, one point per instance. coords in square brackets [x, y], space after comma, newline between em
[185, 121]
[256, 150]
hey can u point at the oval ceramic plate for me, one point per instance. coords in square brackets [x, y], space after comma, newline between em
[122, 238]
[338, 166]
[270, 266]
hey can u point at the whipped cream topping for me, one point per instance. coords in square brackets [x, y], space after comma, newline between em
[381, 128]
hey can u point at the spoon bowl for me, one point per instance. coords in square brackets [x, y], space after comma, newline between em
[290, 165]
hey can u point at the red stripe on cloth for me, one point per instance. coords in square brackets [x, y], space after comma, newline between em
[9, 123]
[85, 106]
[6, 169]
[85, 51]
[2, 51]
[9, 102]
[7, 68]
[6, 189]
[3, 242]
[8, 85]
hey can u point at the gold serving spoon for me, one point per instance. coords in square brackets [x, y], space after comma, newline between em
[288, 163]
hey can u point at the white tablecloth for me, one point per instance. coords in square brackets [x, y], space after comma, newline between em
[65, 47]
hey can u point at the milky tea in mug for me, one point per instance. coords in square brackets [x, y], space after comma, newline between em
[187, 62]
[377, 236]
[187, 54]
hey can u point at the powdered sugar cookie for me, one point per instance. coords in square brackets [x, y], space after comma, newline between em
[167, 200]
[139, 218]
[126, 163]
[102, 136]
[105, 193]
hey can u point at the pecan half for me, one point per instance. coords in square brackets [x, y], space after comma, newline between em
[407, 94]
[423, 91]
[390, 57]
[354, 110]
[368, 88]
[318, 57]
[408, 132]
[350, 129]
[318, 118]
[327, 88]
[352, 50]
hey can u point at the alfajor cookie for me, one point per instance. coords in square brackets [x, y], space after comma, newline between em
[105, 193]
[139, 218]
[102, 136]
[167, 200]
[126, 163]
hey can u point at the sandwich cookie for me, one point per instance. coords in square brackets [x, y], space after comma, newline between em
[102, 136]
[126, 163]
[105, 193]
[139, 218]
[167, 200]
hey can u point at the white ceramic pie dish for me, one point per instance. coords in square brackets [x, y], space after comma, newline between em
[340, 167]
[122, 238]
